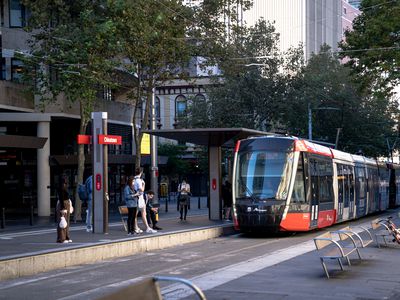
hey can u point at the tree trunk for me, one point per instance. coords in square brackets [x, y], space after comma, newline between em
[81, 166]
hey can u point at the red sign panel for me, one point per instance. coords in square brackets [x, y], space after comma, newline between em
[110, 139]
[84, 139]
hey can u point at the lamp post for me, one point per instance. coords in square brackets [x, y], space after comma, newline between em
[310, 119]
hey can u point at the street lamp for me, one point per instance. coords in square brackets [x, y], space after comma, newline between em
[310, 118]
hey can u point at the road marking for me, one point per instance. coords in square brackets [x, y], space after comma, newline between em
[221, 276]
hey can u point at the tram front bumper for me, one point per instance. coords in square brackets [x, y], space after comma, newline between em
[259, 218]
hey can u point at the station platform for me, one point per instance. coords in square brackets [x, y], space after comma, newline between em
[27, 250]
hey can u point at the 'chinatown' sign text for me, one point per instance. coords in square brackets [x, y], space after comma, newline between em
[109, 139]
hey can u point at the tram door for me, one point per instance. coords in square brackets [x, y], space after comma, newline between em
[351, 188]
[341, 191]
[314, 185]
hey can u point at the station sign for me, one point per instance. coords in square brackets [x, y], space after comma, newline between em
[84, 139]
[105, 139]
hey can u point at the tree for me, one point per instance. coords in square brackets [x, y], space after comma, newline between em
[252, 85]
[160, 37]
[153, 36]
[71, 49]
[328, 88]
[373, 45]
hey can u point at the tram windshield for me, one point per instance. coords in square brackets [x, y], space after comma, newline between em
[263, 175]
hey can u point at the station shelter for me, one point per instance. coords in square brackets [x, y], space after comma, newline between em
[215, 139]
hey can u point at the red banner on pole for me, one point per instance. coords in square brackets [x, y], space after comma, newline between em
[84, 139]
[110, 139]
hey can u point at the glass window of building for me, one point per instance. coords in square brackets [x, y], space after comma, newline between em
[180, 106]
[158, 108]
[3, 69]
[18, 13]
[16, 70]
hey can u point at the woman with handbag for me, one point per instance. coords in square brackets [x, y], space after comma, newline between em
[139, 186]
[63, 209]
[184, 198]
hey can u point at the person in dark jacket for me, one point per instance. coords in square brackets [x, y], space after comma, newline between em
[151, 210]
[227, 198]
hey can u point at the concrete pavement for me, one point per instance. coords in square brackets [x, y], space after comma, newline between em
[31, 250]
[291, 272]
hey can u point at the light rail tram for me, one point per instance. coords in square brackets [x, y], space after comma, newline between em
[285, 183]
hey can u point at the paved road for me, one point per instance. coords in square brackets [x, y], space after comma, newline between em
[231, 267]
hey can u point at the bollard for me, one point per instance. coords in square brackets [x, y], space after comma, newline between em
[198, 203]
[166, 204]
[3, 217]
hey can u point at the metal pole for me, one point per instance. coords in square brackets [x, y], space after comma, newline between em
[309, 122]
[198, 203]
[153, 146]
[337, 137]
[105, 181]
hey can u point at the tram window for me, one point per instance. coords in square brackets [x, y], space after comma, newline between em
[360, 184]
[298, 189]
[351, 183]
[341, 180]
[325, 181]
[264, 174]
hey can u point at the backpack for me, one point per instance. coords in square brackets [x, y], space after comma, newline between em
[82, 192]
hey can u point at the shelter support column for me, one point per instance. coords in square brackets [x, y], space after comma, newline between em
[43, 171]
[214, 161]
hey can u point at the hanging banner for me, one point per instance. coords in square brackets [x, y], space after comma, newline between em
[145, 145]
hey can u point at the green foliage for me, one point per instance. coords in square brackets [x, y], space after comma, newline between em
[175, 165]
[333, 95]
[72, 46]
[250, 93]
[377, 27]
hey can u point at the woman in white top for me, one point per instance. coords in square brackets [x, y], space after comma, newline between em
[139, 188]
[184, 198]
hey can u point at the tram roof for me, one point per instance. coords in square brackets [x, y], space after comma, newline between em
[214, 137]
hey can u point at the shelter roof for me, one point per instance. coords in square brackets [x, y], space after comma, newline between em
[214, 137]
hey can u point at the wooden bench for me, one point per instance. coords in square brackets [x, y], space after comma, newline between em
[149, 289]
[331, 249]
[380, 230]
[123, 211]
[351, 233]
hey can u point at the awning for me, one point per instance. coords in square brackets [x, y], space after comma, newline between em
[22, 141]
[207, 136]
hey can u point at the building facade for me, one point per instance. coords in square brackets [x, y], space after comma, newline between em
[309, 23]
[29, 172]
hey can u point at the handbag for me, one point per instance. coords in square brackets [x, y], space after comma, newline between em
[141, 203]
[63, 223]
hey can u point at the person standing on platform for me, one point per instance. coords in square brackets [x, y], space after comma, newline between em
[184, 198]
[63, 209]
[139, 186]
[227, 198]
[131, 202]
[89, 214]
